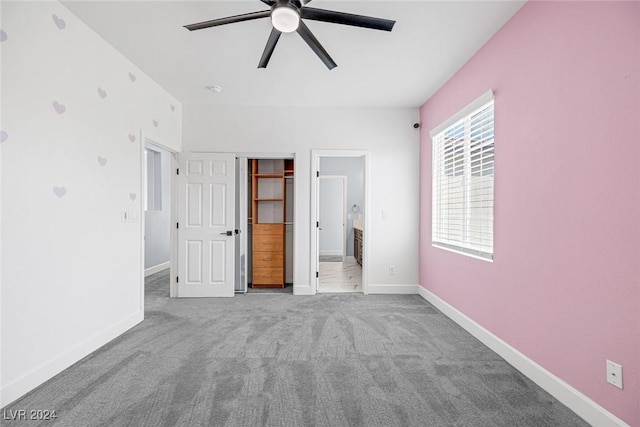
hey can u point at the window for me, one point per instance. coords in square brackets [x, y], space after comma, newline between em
[462, 179]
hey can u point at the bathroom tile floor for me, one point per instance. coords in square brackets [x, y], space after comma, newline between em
[340, 276]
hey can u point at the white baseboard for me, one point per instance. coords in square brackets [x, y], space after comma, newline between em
[586, 408]
[378, 288]
[331, 253]
[27, 382]
[156, 268]
[302, 290]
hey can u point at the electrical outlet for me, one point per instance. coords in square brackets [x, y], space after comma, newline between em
[614, 374]
[392, 270]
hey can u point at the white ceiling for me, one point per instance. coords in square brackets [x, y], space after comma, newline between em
[429, 43]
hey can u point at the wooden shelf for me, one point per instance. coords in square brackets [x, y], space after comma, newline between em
[288, 166]
[268, 211]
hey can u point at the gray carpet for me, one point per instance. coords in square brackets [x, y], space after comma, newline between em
[281, 360]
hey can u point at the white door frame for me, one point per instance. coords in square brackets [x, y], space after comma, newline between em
[242, 225]
[314, 218]
[343, 179]
[173, 237]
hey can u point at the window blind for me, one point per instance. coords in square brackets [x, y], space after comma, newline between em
[463, 184]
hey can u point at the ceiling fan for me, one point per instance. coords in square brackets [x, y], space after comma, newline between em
[286, 17]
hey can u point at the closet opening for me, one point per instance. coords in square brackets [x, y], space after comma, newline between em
[264, 210]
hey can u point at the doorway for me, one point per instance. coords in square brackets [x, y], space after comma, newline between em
[339, 212]
[226, 200]
[268, 225]
[157, 193]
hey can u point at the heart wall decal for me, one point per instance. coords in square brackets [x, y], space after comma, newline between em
[3, 36]
[3, 136]
[173, 107]
[59, 191]
[60, 108]
[102, 161]
[132, 137]
[132, 77]
[59, 22]
[155, 123]
[102, 93]
[133, 196]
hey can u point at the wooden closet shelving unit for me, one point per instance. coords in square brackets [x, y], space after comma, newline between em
[268, 201]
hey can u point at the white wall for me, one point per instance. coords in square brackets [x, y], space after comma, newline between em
[394, 153]
[157, 222]
[74, 113]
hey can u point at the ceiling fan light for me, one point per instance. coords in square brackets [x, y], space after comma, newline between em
[285, 19]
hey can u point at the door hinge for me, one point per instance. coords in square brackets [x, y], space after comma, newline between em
[317, 274]
[177, 279]
[318, 174]
[178, 171]
[177, 225]
[317, 224]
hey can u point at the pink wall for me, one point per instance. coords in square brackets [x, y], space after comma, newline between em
[564, 287]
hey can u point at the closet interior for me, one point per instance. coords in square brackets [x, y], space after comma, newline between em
[270, 223]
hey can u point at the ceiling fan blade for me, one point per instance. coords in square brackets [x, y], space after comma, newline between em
[269, 2]
[315, 45]
[268, 49]
[228, 20]
[347, 19]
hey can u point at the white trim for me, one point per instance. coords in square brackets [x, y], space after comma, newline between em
[331, 253]
[157, 268]
[583, 406]
[474, 105]
[460, 251]
[259, 156]
[402, 289]
[32, 379]
[303, 290]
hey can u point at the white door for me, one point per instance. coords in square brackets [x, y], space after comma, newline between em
[206, 218]
[332, 216]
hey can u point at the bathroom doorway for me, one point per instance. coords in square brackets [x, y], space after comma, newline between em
[340, 216]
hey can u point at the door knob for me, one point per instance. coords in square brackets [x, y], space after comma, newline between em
[227, 233]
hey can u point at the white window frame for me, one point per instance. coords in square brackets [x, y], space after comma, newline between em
[456, 234]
